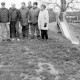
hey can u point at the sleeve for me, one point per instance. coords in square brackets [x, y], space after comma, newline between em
[39, 23]
[47, 17]
[9, 16]
[29, 15]
[18, 15]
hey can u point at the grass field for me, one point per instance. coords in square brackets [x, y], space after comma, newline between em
[56, 59]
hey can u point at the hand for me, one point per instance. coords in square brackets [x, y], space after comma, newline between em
[45, 25]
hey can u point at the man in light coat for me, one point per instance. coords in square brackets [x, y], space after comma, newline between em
[24, 11]
[43, 22]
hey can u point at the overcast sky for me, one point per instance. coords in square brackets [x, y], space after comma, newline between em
[18, 2]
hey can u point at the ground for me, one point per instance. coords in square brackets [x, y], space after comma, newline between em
[55, 59]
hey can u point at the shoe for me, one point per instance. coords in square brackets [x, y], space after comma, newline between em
[8, 39]
[32, 37]
[38, 36]
[13, 39]
[18, 39]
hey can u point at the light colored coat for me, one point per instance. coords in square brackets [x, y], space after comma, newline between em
[42, 19]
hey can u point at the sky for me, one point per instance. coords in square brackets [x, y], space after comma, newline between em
[18, 2]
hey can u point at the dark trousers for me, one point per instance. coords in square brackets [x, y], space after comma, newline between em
[13, 29]
[34, 27]
[44, 34]
[25, 31]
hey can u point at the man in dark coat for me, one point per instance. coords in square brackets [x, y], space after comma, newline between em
[33, 19]
[29, 5]
[14, 17]
[24, 11]
[4, 19]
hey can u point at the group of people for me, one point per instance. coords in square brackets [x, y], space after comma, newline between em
[29, 17]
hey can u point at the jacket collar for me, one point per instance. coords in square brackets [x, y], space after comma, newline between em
[13, 8]
[35, 8]
[3, 8]
[23, 7]
[43, 10]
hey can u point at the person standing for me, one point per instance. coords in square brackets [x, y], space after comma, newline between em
[24, 11]
[4, 20]
[43, 22]
[29, 5]
[14, 17]
[33, 20]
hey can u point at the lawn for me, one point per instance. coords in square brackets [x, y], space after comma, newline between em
[55, 59]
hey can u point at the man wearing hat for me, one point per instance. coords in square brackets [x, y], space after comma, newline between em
[29, 5]
[24, 11]
[33, 19]
[14, 16]
[4, 19]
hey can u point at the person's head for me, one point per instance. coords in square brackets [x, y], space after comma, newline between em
[29, 3]
[35, 4]
[3, 4]
[23, 4]
[13, 5]
[43, 6]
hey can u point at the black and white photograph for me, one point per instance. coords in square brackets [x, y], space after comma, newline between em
[39, 39]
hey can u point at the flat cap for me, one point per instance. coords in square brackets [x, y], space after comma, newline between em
[35, 3]
[3, 3]
[23, 3]
[43, 5]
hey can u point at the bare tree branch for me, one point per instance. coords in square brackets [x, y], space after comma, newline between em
[66, 4]
[69, 3]
[74, 8]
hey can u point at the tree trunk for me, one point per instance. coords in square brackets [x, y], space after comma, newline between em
[63, 9]
[63, 5]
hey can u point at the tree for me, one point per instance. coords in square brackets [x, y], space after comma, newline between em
[65, 4]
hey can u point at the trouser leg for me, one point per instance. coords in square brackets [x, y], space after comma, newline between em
[17, 30]
[4, 31]
[32, 30]
[23, 31]
[37, 30]
[8, 30]
[27, 31]
[13, 29]
[42, 34]
[46, 34]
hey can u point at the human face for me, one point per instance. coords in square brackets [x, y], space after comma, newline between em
[34, 6]
[29, 3]
[23, 5]
[13, 6]
[42, 8]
